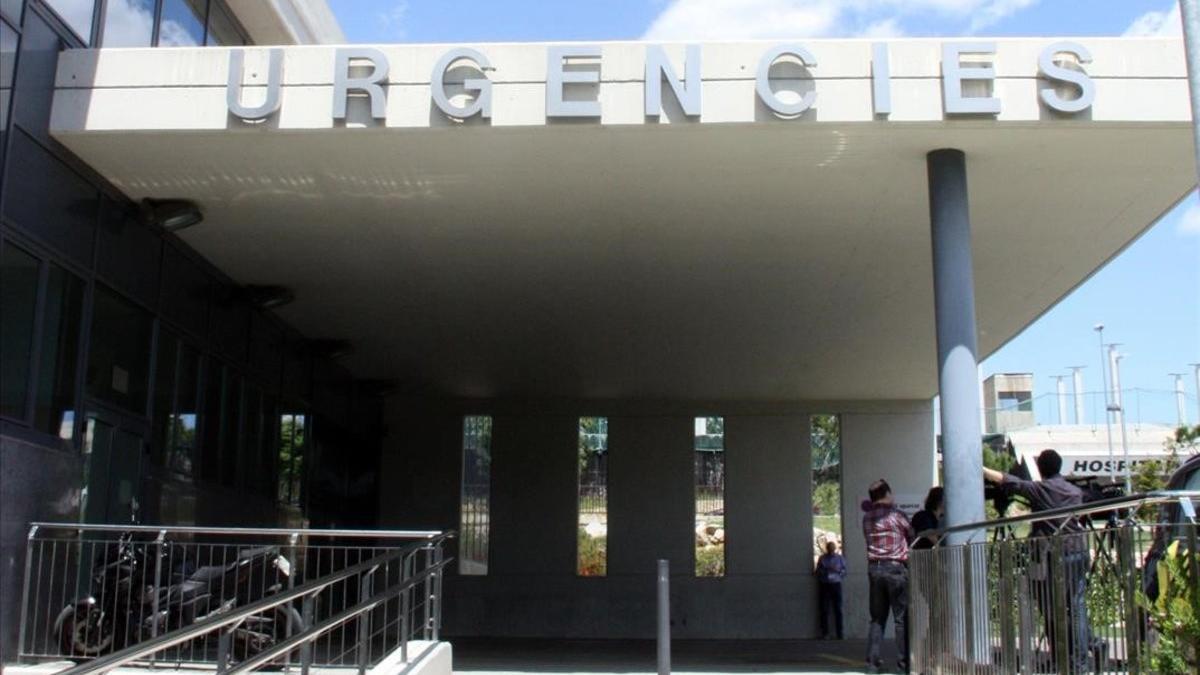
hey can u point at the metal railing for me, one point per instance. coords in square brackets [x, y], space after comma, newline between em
[239, 598]
[1072, 600]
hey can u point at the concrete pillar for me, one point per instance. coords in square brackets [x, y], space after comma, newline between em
[954, 306]
[962, 454]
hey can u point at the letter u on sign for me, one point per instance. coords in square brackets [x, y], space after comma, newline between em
[233, 90]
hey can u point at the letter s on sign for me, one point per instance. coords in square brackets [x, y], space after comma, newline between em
[1055, 73]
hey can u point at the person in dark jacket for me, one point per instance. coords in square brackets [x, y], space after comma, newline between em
[930, 517]
[830, 572]
[1053, 492]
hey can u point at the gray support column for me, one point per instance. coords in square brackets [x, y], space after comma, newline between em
[954, 306]
[1189, 12]
[958, 385]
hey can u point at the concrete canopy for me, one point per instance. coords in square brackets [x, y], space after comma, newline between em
[732, 257]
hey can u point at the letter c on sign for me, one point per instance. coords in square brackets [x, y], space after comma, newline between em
[762, 83]
[482, 105]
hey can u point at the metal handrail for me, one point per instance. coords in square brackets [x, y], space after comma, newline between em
[214, 623]
[332, 622]
[1100, 506]
[282, 531]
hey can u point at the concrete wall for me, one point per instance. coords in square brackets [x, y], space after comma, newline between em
[531, 588]
[895, 443]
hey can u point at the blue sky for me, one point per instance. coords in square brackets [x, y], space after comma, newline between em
[1148, 298]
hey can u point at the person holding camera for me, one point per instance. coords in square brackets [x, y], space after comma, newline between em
[1055, 492]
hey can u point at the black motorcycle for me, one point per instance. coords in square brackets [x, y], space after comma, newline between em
[126, 604]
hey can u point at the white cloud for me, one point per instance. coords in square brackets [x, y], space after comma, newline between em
[392, 21]
[885, 28]
[765, 19]
[128, 23]
[993, 12]
[1190, 223]
[1157, 24]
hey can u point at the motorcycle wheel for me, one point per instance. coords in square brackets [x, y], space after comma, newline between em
[85, 631]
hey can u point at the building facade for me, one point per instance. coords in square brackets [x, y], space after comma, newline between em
[433, 263]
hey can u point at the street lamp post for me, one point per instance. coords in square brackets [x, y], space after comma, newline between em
[1112, 475]
[1117, 405]
[1180, 412]
[1077, 389]
[1196, 370]
[1060, 389]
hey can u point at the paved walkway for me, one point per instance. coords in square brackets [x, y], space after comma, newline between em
[628, 657]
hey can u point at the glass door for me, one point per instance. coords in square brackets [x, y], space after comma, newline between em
[114, 446]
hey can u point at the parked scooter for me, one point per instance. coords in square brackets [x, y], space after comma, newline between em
[121, 608]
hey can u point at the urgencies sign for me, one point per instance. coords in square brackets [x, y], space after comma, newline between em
[686, 89]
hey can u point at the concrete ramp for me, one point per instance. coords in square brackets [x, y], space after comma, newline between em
[424, 658]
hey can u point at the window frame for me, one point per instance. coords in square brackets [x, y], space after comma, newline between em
[156, 30]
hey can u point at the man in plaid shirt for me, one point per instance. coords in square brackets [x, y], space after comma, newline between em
[888, 533]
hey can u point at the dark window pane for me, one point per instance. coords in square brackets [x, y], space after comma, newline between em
[55, 403]
[292, 437]
[54, 203]
[12, 10]
[77, 14]
[221, 29]
[128, 23]
[129, 253]
[185, 291]
[164, 396]
[182, 23]
[18, 296]
[183, 424]
[231, 419]
[119, 357]
[210, 448]
[249, 463]
[8, 62]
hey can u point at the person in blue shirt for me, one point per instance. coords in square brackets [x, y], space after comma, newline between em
[830, 572]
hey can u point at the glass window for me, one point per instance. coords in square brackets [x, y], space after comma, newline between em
[164, 396]
[18, 297]
[709, 452]
[292, 437]
[475, 507]
[210, 458]
[251, 468]
[182, 23]
[187, 407]
[231, 427]
[12, 10]
[119, 355]
[77, 14]
[54, 407]
[8, 64]
[175, 404]
[592, 537]
[825, 439]
[221, 29]
[128, 23]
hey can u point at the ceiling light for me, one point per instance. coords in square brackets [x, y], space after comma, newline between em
[172, 214]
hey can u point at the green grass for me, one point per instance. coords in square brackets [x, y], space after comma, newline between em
[832, 523]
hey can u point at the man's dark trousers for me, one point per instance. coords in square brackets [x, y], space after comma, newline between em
[831, 603]
[889, 591]
[1074, 568]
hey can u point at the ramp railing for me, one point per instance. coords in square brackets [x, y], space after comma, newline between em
[1120, 596]
[239, 598]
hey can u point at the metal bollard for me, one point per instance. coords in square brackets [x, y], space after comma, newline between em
[664, 617]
